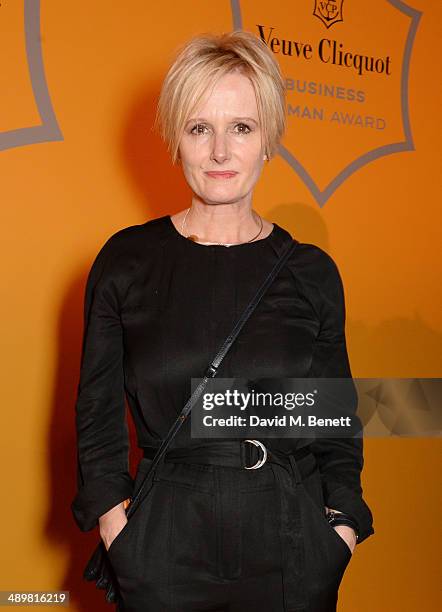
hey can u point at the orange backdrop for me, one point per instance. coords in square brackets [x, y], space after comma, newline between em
[360, 177]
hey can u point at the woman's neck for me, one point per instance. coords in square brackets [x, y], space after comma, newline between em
[218, 228]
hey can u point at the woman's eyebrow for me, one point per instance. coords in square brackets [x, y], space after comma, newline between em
[201, 119]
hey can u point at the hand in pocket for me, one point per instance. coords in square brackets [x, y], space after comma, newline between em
[112, 523]
[348, 535]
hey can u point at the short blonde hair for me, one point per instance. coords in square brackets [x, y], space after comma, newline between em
[200, 62]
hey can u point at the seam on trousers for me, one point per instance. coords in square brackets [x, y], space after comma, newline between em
[218, 522]
[170, 551]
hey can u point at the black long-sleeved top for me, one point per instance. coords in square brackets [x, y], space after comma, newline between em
[157, 308]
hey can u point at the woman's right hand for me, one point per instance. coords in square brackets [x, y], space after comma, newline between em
[111, 523]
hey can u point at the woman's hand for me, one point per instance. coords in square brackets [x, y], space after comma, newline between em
[347, 533]
[111, 523]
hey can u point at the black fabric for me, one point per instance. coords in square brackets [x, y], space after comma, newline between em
[158, 306]
[208, 538]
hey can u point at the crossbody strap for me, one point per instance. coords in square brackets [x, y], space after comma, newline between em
[211, 371]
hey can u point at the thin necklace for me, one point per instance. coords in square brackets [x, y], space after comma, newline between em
[195, 238]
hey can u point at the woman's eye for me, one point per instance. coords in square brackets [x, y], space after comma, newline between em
[243, 125]
[198, 128]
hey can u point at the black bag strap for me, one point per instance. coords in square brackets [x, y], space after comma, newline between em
[211, 372]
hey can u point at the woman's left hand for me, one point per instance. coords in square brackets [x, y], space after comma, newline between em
[348, 535]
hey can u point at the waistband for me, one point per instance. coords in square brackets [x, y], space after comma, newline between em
[289, 469]
[239, 454]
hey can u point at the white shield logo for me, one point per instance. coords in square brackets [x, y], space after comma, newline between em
[48, 130]
[347, 92]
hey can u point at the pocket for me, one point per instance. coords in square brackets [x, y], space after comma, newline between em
[142, 469]
[118, 537]
[326, 555]
[313, 490]
[334, 533]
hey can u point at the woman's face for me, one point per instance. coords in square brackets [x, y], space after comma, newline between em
[224, 135]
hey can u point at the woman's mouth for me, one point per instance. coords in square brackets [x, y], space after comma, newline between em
[221, 175]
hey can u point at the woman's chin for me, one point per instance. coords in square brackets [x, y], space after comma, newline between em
[221, 196]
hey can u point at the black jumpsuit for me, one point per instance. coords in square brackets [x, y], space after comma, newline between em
[212, 537]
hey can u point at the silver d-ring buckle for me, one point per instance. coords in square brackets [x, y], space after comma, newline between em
[260, 462]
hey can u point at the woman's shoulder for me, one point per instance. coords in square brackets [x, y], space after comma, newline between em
[311, 257]
[122, 251]
[316, 273]
[306, 257]
[135, 240]
[308, 260]
[148, 234]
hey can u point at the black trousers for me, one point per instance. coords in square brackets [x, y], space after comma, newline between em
[212, 538]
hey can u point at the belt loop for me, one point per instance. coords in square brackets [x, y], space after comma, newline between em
[295, 469]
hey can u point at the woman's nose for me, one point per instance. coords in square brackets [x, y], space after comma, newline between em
[220, 149]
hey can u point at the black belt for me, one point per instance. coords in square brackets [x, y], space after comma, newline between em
[253, 454]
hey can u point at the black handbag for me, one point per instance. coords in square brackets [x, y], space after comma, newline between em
[99, 567]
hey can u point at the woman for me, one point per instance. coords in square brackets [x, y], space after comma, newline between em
[160, 299]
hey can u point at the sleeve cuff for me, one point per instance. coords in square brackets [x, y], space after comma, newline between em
[346, 500]
[100, 495]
